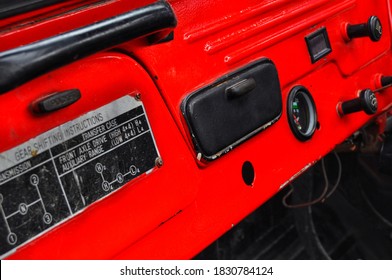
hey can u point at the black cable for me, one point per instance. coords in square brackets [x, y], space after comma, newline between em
[320, 198]
[315, 236]
[325, 194]
[333, 189]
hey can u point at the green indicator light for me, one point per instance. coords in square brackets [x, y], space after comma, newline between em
[295, 105]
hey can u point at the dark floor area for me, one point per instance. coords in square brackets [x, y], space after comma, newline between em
[354, 222]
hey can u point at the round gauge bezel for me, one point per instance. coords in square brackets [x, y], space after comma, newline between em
[311, 107]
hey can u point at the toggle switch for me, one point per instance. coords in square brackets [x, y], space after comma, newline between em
[367, 102]
[372, 29]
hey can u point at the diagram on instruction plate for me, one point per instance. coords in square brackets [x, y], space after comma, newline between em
[73, 166]
[23, 209]
[106, 185]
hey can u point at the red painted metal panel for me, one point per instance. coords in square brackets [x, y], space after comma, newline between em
[117, 221]
[212, 38]
[223, 38]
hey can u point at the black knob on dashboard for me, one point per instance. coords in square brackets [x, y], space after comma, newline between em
[372, 29]
[367, 102]
[386, 81]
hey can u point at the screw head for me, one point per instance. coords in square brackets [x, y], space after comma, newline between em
[158, 162]
[138, 96]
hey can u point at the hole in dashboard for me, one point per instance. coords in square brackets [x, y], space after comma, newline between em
[248, 173]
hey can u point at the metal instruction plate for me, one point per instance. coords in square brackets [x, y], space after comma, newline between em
[56, 175]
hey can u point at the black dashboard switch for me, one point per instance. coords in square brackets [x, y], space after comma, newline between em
[367, 102]
[318, 44]
[372, 29]
[55, 101]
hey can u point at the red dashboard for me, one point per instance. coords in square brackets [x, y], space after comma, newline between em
[152, 116]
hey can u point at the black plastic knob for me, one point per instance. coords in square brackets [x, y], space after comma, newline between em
[386, 81]
[367, 102]
[372, 29]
